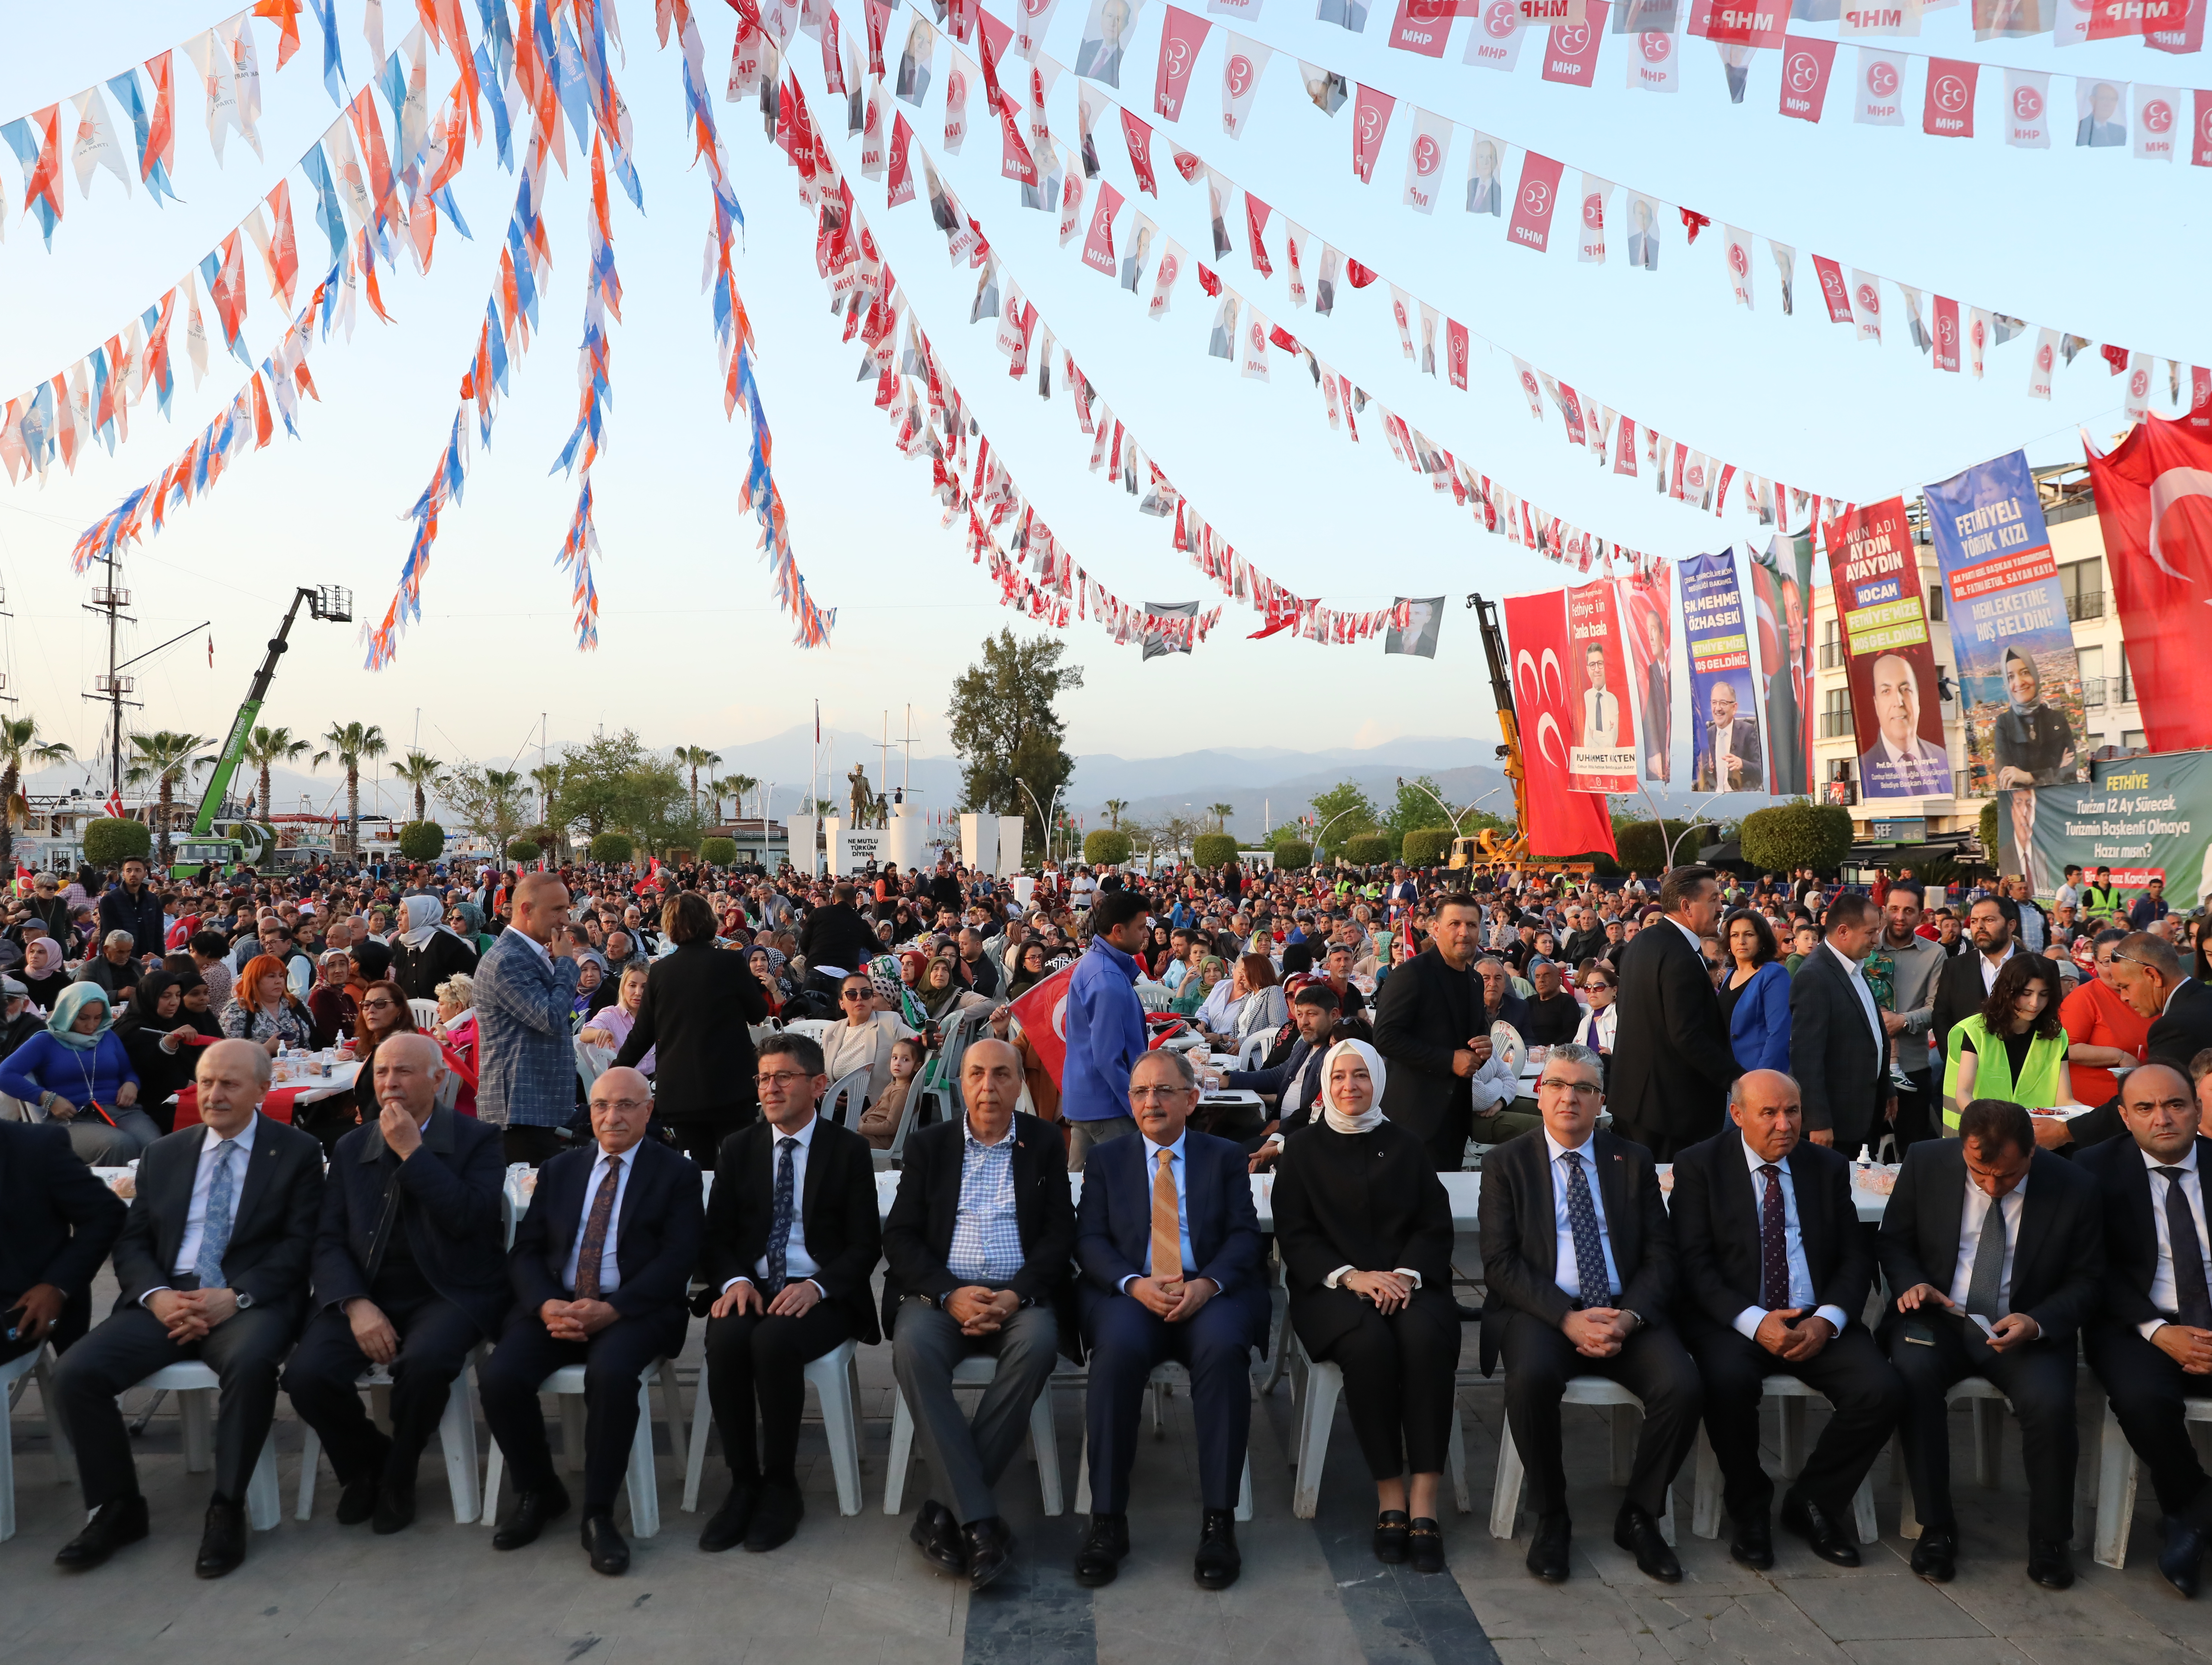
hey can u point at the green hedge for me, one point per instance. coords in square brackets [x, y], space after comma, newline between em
[612, 849]
[719, 852]
[1365, 849]
[1642, 846]
[1799, 835]
[1293, 853]
[1107, 846]
[109, 843]
[1212, 849]
[1427, 847]
[522, 849]
[421, 841]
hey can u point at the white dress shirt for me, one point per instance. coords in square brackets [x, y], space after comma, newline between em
[2163, 1294]
[610, 1274]
[1991, 967]
[1970, 1238]
[188, 1250]
[1178, 1166]
[1800, 1270]
[797, 1263]
[1569, 1275]
[1856, 971]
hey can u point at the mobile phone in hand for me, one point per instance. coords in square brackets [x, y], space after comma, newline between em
[1986, 1328]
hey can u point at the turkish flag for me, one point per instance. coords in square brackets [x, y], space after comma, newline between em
[1806, 63]
[2153, 493]
[1561, 821]
[1042, 1014]
[1539, 193]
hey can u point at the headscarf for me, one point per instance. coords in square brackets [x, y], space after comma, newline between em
[73, 1001]
[421, 918]
[43, 959]
[144, 1010]
[1373, 1117]
[883, 976]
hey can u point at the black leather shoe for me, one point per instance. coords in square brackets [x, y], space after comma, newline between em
[222, 1542]
[358, 1499]
[532, 1510]
[112, 1526]
[1426, 1540]
[1218, 1562]
[1639, 1535]
[727, 1530]
[1547, 1550]
[1392, 1528]
[2050, 1566]
[608, 1553]
[1822, 1531]
[395, 1503]
[1099, 1558]
[988, 1547]
[1753, 1543]
[775, 1520]
[2182, 1560]
[936, 1535]
[1935, 1557]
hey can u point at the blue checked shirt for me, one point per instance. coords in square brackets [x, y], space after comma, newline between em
[526, 1060]
[987, 1239]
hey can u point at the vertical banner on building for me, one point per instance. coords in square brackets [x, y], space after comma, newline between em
[1562, 821]
[1724, 712]
[1888, 658]
[1782, 592]
[1602, 754]
[1648, 612]
[2020, 682]
[2155, 511]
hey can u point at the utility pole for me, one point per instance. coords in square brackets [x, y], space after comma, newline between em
[110, 601]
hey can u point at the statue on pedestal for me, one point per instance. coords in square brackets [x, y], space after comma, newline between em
[862, 795]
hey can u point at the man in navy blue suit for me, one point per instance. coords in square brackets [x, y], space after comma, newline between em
[1168, 1246]
[600, 1266]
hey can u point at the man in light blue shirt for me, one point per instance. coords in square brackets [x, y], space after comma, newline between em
[1104, 1026]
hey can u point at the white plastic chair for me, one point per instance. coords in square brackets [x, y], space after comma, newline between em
[841, 1106]
[566, 1383]
[1165, 1378]
[1316, 1383]
[835, 1379]
[1251, 1051]
[39, 1361]
[457, 1438]
[1790, 1396]
[1990, 1406]
[977, 1371]
[425, 1013]
[813, 1028]
[195, 1386]
[1506, 1496]
[2115, 1480]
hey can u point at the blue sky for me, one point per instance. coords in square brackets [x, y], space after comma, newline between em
[692, 648]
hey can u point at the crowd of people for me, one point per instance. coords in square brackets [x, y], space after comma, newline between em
[1664, 1085]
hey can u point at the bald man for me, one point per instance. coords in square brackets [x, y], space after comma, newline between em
[409, 1275]
[525, 992]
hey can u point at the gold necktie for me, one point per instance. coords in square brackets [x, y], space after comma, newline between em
[1167, 1235]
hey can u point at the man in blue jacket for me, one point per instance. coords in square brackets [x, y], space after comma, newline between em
[525, 994]
[410, 1275]
[1105, 1028]
[1168, 1248]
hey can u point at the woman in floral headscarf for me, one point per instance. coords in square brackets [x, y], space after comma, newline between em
[891, 991]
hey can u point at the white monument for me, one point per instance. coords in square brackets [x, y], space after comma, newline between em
[979, 843]
[907, 835]
[1010, 846]
[801, 831]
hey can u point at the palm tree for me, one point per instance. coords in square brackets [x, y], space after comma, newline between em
[737, 785]
[351, 745]
[161, 760]
[425, 774]
[1221, 812]
[1114, 808]
[547, 777]
[20, 749]
[697, 757]
[265, 747]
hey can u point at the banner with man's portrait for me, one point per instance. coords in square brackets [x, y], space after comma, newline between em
[1887, 656]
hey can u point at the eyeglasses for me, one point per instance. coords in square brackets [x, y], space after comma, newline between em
[1144, 1093]
[1580, 1089]
[2132, 960]
[778, 1077]
[622, 1103]
[854, 994]
[379, 1004]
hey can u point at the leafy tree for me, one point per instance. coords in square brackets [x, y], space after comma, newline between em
[162, 760]
[1212, 849]
[612, 849]
[1987, 828]
[265, 747]
[20, 749]
[1006, 731]
[1106, 846]
[423, 774]
[1796, 835]
[488, 802]
[109, 842]
[1114, 808]
[719, 852]
[351, 745]
[1426, 847]
[1365, 849]
[613, 781]
[421, 841]
[1339, 814]
[522, 850]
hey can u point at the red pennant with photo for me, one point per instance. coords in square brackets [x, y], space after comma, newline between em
[1806, 63]
[1370, 119]
[1533, 202]
[900, 179]
[1833, 289]
[1180, 39]
[1140, 136]
[1571, 54]
[1947, 111]
[1098, 243]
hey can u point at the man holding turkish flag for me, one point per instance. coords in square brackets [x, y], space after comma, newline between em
[2153, 493]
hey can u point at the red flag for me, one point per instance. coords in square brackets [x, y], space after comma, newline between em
[1561, 821]
[1180, 39]
[1806, 62]
[2200, 147]
[1946, 325]
[1948, 110]
[115, 806]
[2156, 514]
[1099, 243]
[1042, 1014]
[1370, 119]
[1571, 54]
[1455, 352]
[1833, 289]
[1424, 26]
[1140, 136]
[901, 181]
[1539, 194]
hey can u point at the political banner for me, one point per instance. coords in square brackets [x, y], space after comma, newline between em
[1889, 664]
[1423, 616]
[1724, 755]
[2019, 681]
[1561, 820]
[1649, 612]
[1042, 1014]
[2144, 817]
[1782, 594]
[1601, 755]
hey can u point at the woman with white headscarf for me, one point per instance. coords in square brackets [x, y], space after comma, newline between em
[1364, 1228]
[424, 953]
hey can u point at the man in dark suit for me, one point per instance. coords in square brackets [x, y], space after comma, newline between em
[1294, 1083]
[213, 1263]
[1775, 1271]
[1992, 925]
[1429, 1028]
[792, 1242]
[978, 1245]
[2153, 978]
[1838, 1048]
[1996, 1252]
[698, 1002]
[1582, 1272]
[2151, 1344]
[1727, 750]
[56, 1224]
[410, 1274]
[600, 1266]
[1672, 1063]
[1168, 1246]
